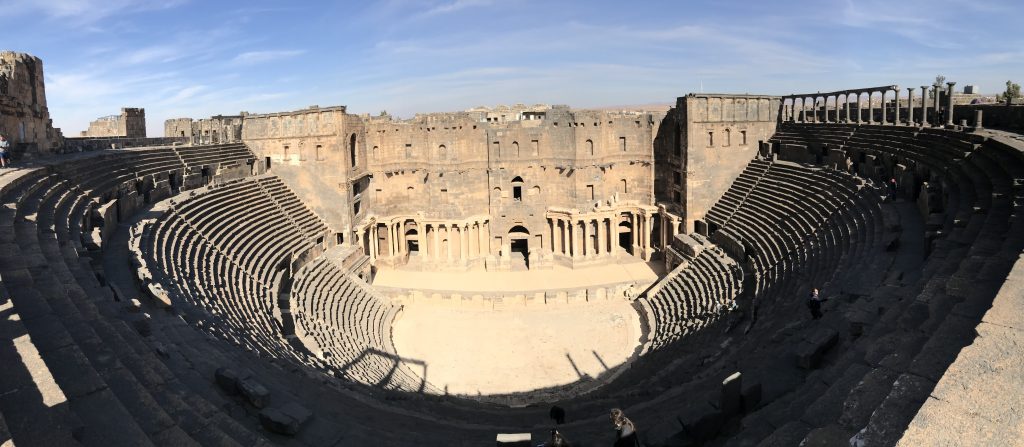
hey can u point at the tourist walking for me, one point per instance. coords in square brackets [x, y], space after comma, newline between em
[5, 150]
[814, 303]
[625, 431]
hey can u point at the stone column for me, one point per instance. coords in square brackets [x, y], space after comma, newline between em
[924, 105]
[437, 241]
[636, 232]
[949, 103]
[481, 240]
[910, 106]
[803, 110]
[464, 242]
[451, 241]
[588, 247]
[602, 236]
[884, 120]
[896, 100]
[792, 109]
[936, 93]
[373, 244]
[871, 110]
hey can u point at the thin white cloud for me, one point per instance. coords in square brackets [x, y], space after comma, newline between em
[259, 57]
[84, 12]
[454, 6]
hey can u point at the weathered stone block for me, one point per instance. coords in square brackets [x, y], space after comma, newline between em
[257, 394]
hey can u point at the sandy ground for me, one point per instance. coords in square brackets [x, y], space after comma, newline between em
[633, 270]
[474, 351]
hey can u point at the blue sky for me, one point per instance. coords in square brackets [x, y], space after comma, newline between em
[195, 58]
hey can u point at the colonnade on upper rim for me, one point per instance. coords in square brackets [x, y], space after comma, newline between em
[817, 107]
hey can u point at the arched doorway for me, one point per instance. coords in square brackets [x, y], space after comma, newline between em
[626, 235]
[412, 241]
[519, 251]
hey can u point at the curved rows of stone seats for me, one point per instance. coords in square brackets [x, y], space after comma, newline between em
[225, 252]
[787, 221]
[874, 358]
[693, 295]
[214, 155]
[75, 368]
[348, 325]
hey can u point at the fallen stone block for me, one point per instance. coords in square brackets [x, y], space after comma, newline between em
[287, 420]
[811, 350]
[257, 394]
[227, 380]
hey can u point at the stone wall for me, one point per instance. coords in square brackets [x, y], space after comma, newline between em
[214, 130]
[996, 116]
[131, 123]
[712, 138]
[311, 150]
[449, 173]
[24, 117]
[93, 144]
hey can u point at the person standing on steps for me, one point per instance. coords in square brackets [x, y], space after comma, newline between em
[625, 431]
[892, 189]
[5, 150]
[814, 303]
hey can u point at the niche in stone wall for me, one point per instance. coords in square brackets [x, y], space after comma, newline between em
[352, 149]
[515, 149]
[517, 188]
[590, 147]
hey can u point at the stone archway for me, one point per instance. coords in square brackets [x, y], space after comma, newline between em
[519, 247]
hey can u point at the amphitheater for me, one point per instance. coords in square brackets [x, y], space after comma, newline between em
[321, 278]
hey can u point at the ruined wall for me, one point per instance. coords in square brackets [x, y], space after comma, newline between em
[311, 150]
[24, 117]
[131, 123]
[714, 136]
[214, 130]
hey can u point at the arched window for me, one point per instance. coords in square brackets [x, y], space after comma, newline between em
[517, 188]
[319, 152]
[590, 147]
[352, 149]
[442, 152]
[515, 148]
[376, 153]
[624, 188]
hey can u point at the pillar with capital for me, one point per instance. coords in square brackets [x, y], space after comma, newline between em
[910, 106]
[936, 93]
[924, 105]
[896, 119]
[884, 120]
[949, 103]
